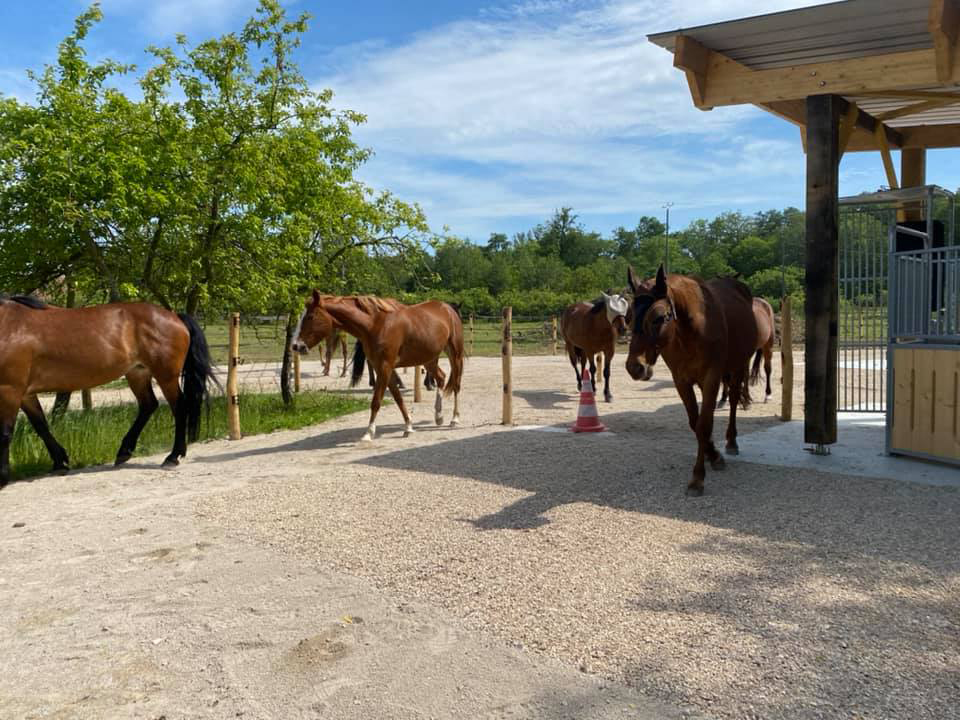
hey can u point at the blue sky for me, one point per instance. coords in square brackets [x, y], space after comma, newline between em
[491, 114]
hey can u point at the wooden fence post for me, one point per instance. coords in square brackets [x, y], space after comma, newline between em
[553, 334]
[418, 384]
[233, 396]
[86, 397]
[472, 333]
[506, 349]
[786, 360]
[296, 371]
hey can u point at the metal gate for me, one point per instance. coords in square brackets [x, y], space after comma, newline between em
[872, 226]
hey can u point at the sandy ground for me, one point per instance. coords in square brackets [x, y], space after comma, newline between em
[479, 572]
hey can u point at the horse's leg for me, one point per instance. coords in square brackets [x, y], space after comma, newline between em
[768, 367]
[10, 399]
[736, 389]
[383, 378]
[398, 398]
[433, 370]
[607, 358]
[142, 388]
[170, 387]
[573, 353]
[370, 374]
[689, 397]
[328, 347]
[593, 370]
[343, 347]
[34, 411]
[723, 394]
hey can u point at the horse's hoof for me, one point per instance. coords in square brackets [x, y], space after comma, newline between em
[718, 463]
[694, 491]
[122, 458]
[170, 463]
[608, 398]
[438, 419]
[408, 432]
[732, 450]
[721, 404]
[455, 422]
[61, 469]
[366, 438]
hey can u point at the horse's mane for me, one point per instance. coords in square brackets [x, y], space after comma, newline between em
[372, 304]
[597, 306]
[27, 300]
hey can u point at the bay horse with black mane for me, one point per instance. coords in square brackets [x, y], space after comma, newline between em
[705, 331]
[590, 328]
[766, 336]
[52, 349]
[393, 335]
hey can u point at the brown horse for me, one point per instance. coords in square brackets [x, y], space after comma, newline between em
[52, 349]
[394, 335]
[766, 335]
[591, 328]
[704, 331]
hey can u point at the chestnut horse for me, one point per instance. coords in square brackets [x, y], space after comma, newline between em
[591, 328]
[53, 349]
[394, 335]
[705, 331]
[766, 335]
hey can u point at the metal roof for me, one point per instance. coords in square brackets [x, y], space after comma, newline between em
[839, 30]
[826, 32]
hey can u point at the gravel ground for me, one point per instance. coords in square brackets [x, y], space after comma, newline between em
[779, 594]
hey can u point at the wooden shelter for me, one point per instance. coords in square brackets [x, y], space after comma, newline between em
[860, 75]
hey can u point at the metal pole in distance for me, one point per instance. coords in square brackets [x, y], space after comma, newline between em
[506, 350]
[233, 396]
[786, 360]
[666, 240]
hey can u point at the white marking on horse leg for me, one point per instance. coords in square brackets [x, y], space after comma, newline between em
[408, 430]
[438, 408]
[455, 420]
[370, 433]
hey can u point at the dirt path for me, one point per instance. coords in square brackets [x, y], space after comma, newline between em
[478, 573]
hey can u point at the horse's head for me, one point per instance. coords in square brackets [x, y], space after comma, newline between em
[315, 325]
[654, 318]
[617, 308]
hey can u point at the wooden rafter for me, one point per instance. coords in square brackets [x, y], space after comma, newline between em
[915, 109]
[691, 57]
[944, 26]
[916, 137]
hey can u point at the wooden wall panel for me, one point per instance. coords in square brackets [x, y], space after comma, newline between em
[926, 402]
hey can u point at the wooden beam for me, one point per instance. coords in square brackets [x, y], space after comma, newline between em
[887, 158]
[944, 24]
[692, 57]
[913, 173]
[911, 94]
[915, 109]
[731, 83]
[794, 111]
[918, 136]
[848, 123]
[822, 280]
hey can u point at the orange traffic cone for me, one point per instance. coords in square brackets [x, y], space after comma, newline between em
[587, 418]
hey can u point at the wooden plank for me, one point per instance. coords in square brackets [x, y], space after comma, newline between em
[692, 57]
[913, 173]
[921, 439]
[946, 436]
[822, 285]
[903, 413]
[944, 23]
[731, 83]
[887, 158]
[786, 360]
[916, 136]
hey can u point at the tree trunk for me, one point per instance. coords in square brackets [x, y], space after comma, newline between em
[62, 402]
[287, 363]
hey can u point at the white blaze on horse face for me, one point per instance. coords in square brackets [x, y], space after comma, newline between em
[616, 305]
[297, 344]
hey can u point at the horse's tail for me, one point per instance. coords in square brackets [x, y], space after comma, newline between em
[359, 362]
[457, 353]
[195, 377]
[755, 370]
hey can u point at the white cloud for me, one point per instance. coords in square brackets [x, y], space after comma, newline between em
[166, 18]
[551, 102]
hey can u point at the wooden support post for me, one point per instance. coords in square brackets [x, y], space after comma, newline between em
[553, 334]
[913, 173]
[86, 397]
[233, 396]
[821, 307]
[786, 360]
[506, 350]
[418, 384]
[296, 372]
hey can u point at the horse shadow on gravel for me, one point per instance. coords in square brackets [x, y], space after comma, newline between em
[821, 575]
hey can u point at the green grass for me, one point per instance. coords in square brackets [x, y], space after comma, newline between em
[92, 437]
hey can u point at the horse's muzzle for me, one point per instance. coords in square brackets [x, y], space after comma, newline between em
[639, 370]
[299, 347]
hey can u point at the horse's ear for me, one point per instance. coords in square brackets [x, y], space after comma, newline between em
[660, 289]
[632, 279]
[316, 296]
